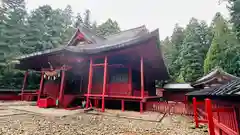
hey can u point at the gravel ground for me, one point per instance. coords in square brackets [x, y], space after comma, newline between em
[86, 124]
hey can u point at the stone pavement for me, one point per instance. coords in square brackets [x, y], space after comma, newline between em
[24, 119]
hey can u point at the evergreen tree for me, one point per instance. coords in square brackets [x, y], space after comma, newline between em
[4, 49]
[171, 48]
[12, 33]
[78, 21]
[94, 26]
[48, 28]
[37, 37]
[67, 16]
[166, 47]
[67, 29]
[176, 45]
[13, 25]
[206, 36]
[232, 57]
[56, 29]
[107, 28]
[192, 52]
[215, 53]
[224, 48]
[86, 20]
[234, 8]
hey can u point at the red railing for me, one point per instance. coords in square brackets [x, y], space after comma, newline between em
[169, 107]
[225, 119]
[221, 118]
[10, 96]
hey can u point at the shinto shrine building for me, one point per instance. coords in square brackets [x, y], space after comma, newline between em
[123, 66]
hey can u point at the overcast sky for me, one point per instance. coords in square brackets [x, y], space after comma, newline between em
[162, 14]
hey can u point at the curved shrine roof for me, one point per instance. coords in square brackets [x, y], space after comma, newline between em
[213, 77]
[94, 45]
[100, 44]
[231, 88]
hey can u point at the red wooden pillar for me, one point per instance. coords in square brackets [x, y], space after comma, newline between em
[195, 112]
[142, 84]
[61, 93]
[41, 85]
[104, 83]
[236, 119]
[122, 104]
[130, 80]
[185, 100]
[208, 108]
[186, 103]
[219, 120]
[96, 102]
[142, 78]
[81, 84]
[24, 84]
[89, 81]
[141, 106]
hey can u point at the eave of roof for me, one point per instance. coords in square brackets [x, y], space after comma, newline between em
[46, 52]
[202, 92]
[231, 88]
[211, 76]
[178, 86]
[96, 48]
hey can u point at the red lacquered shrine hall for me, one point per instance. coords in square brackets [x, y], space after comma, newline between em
[96, 69]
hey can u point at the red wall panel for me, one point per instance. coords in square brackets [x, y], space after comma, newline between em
[51, 89]
[112, 89]
[118, 89]
[138, 93]
[174, 96]
[97, 88]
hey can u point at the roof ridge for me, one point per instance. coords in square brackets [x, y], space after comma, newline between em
[220, 70]
[142, 26]
[211, 76]
[81, 29]
[73, 35]
[90, 30]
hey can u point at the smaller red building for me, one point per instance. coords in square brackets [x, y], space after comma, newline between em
[221, 109]
[123, 66]
[176, 91]
[209, 82]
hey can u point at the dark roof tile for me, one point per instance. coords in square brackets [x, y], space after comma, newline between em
[111, 44]
[229, 89]
[130, 33]
[118, 41]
